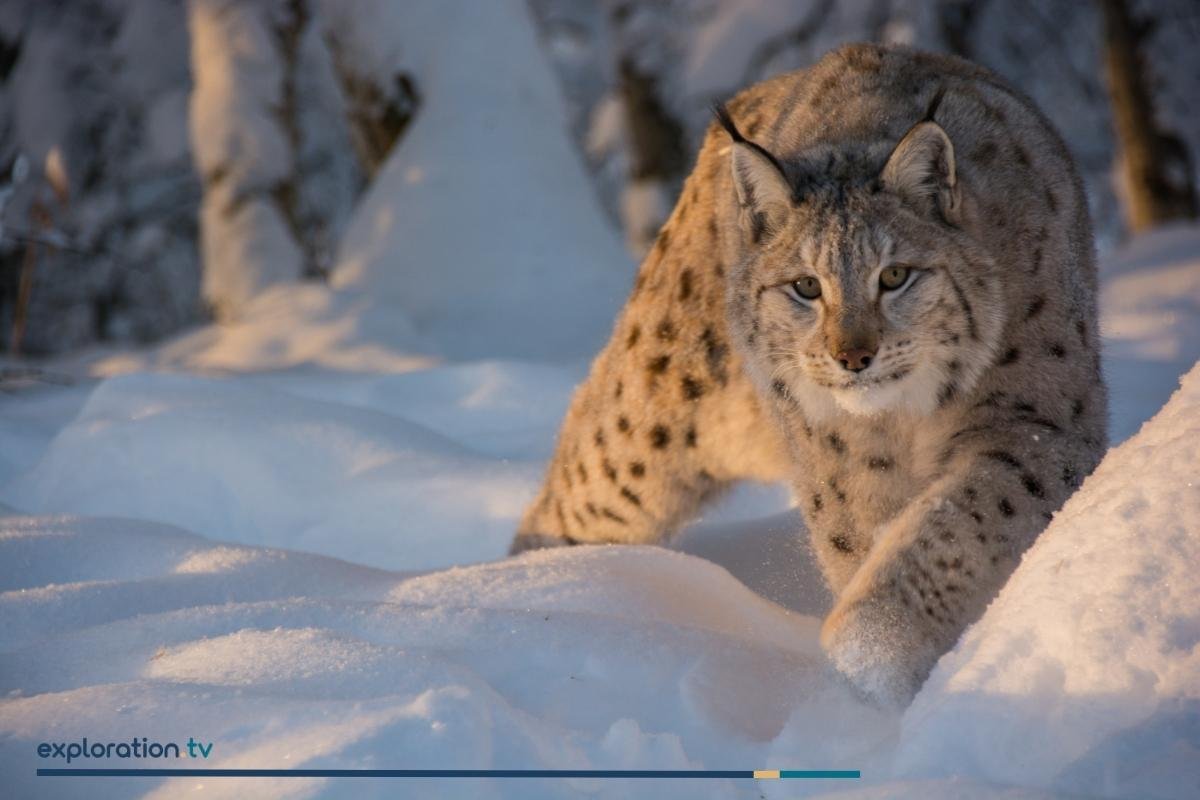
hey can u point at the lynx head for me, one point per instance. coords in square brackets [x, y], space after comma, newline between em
[857, 284]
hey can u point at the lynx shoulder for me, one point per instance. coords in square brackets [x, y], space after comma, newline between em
[879, 285]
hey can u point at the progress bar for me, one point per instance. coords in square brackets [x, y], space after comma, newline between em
[760, 774]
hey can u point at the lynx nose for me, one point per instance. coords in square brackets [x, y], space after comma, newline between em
[855, 360]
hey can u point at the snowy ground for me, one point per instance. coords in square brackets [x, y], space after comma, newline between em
[237, 556]
[285, 538]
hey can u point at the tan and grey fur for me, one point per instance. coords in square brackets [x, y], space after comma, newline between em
[924, 475]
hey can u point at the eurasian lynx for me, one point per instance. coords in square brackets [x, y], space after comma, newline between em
[878, 283]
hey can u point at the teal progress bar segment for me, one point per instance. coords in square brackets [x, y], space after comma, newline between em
[760, 774]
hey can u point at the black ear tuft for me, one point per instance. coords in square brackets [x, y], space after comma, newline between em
[934, 104]
[722, 115]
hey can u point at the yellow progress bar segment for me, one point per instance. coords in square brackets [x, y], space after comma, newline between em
[766, 773]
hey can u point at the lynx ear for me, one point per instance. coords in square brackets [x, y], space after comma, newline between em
[764, 195]
[921, 170]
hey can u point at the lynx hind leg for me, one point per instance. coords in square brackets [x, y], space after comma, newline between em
[667, 416]
[642, 449]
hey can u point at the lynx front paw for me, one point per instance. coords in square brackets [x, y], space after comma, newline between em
[875, 649]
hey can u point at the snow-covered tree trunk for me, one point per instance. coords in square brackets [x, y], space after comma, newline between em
[245, 137]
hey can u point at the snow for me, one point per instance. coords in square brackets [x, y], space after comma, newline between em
[238, 80]
[724, 47]
[531, 250]
[1150, 294]
[195, 589]
[285, 326]
[285, 535]
[629, 658]
[527, 231]
[171, 448]
[608, 657]
[1092, 651]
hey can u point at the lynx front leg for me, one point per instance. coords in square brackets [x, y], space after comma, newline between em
[939, 564]
[660, 426]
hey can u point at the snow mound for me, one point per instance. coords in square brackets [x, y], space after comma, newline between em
[297, 656]
[620, 582]
[1084, 674]
[590, 658]
[487, 201]
[265, 466]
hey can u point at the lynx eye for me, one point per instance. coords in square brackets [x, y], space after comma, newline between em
[893, 278]
[807, 288]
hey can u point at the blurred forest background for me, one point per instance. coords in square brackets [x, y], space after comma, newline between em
[162, 161]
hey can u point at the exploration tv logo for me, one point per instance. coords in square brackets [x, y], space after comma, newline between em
[134, 748]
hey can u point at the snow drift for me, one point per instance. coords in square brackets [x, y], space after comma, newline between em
[1082, 677]
[605, 657]
[275, 461]
[1084, 674]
